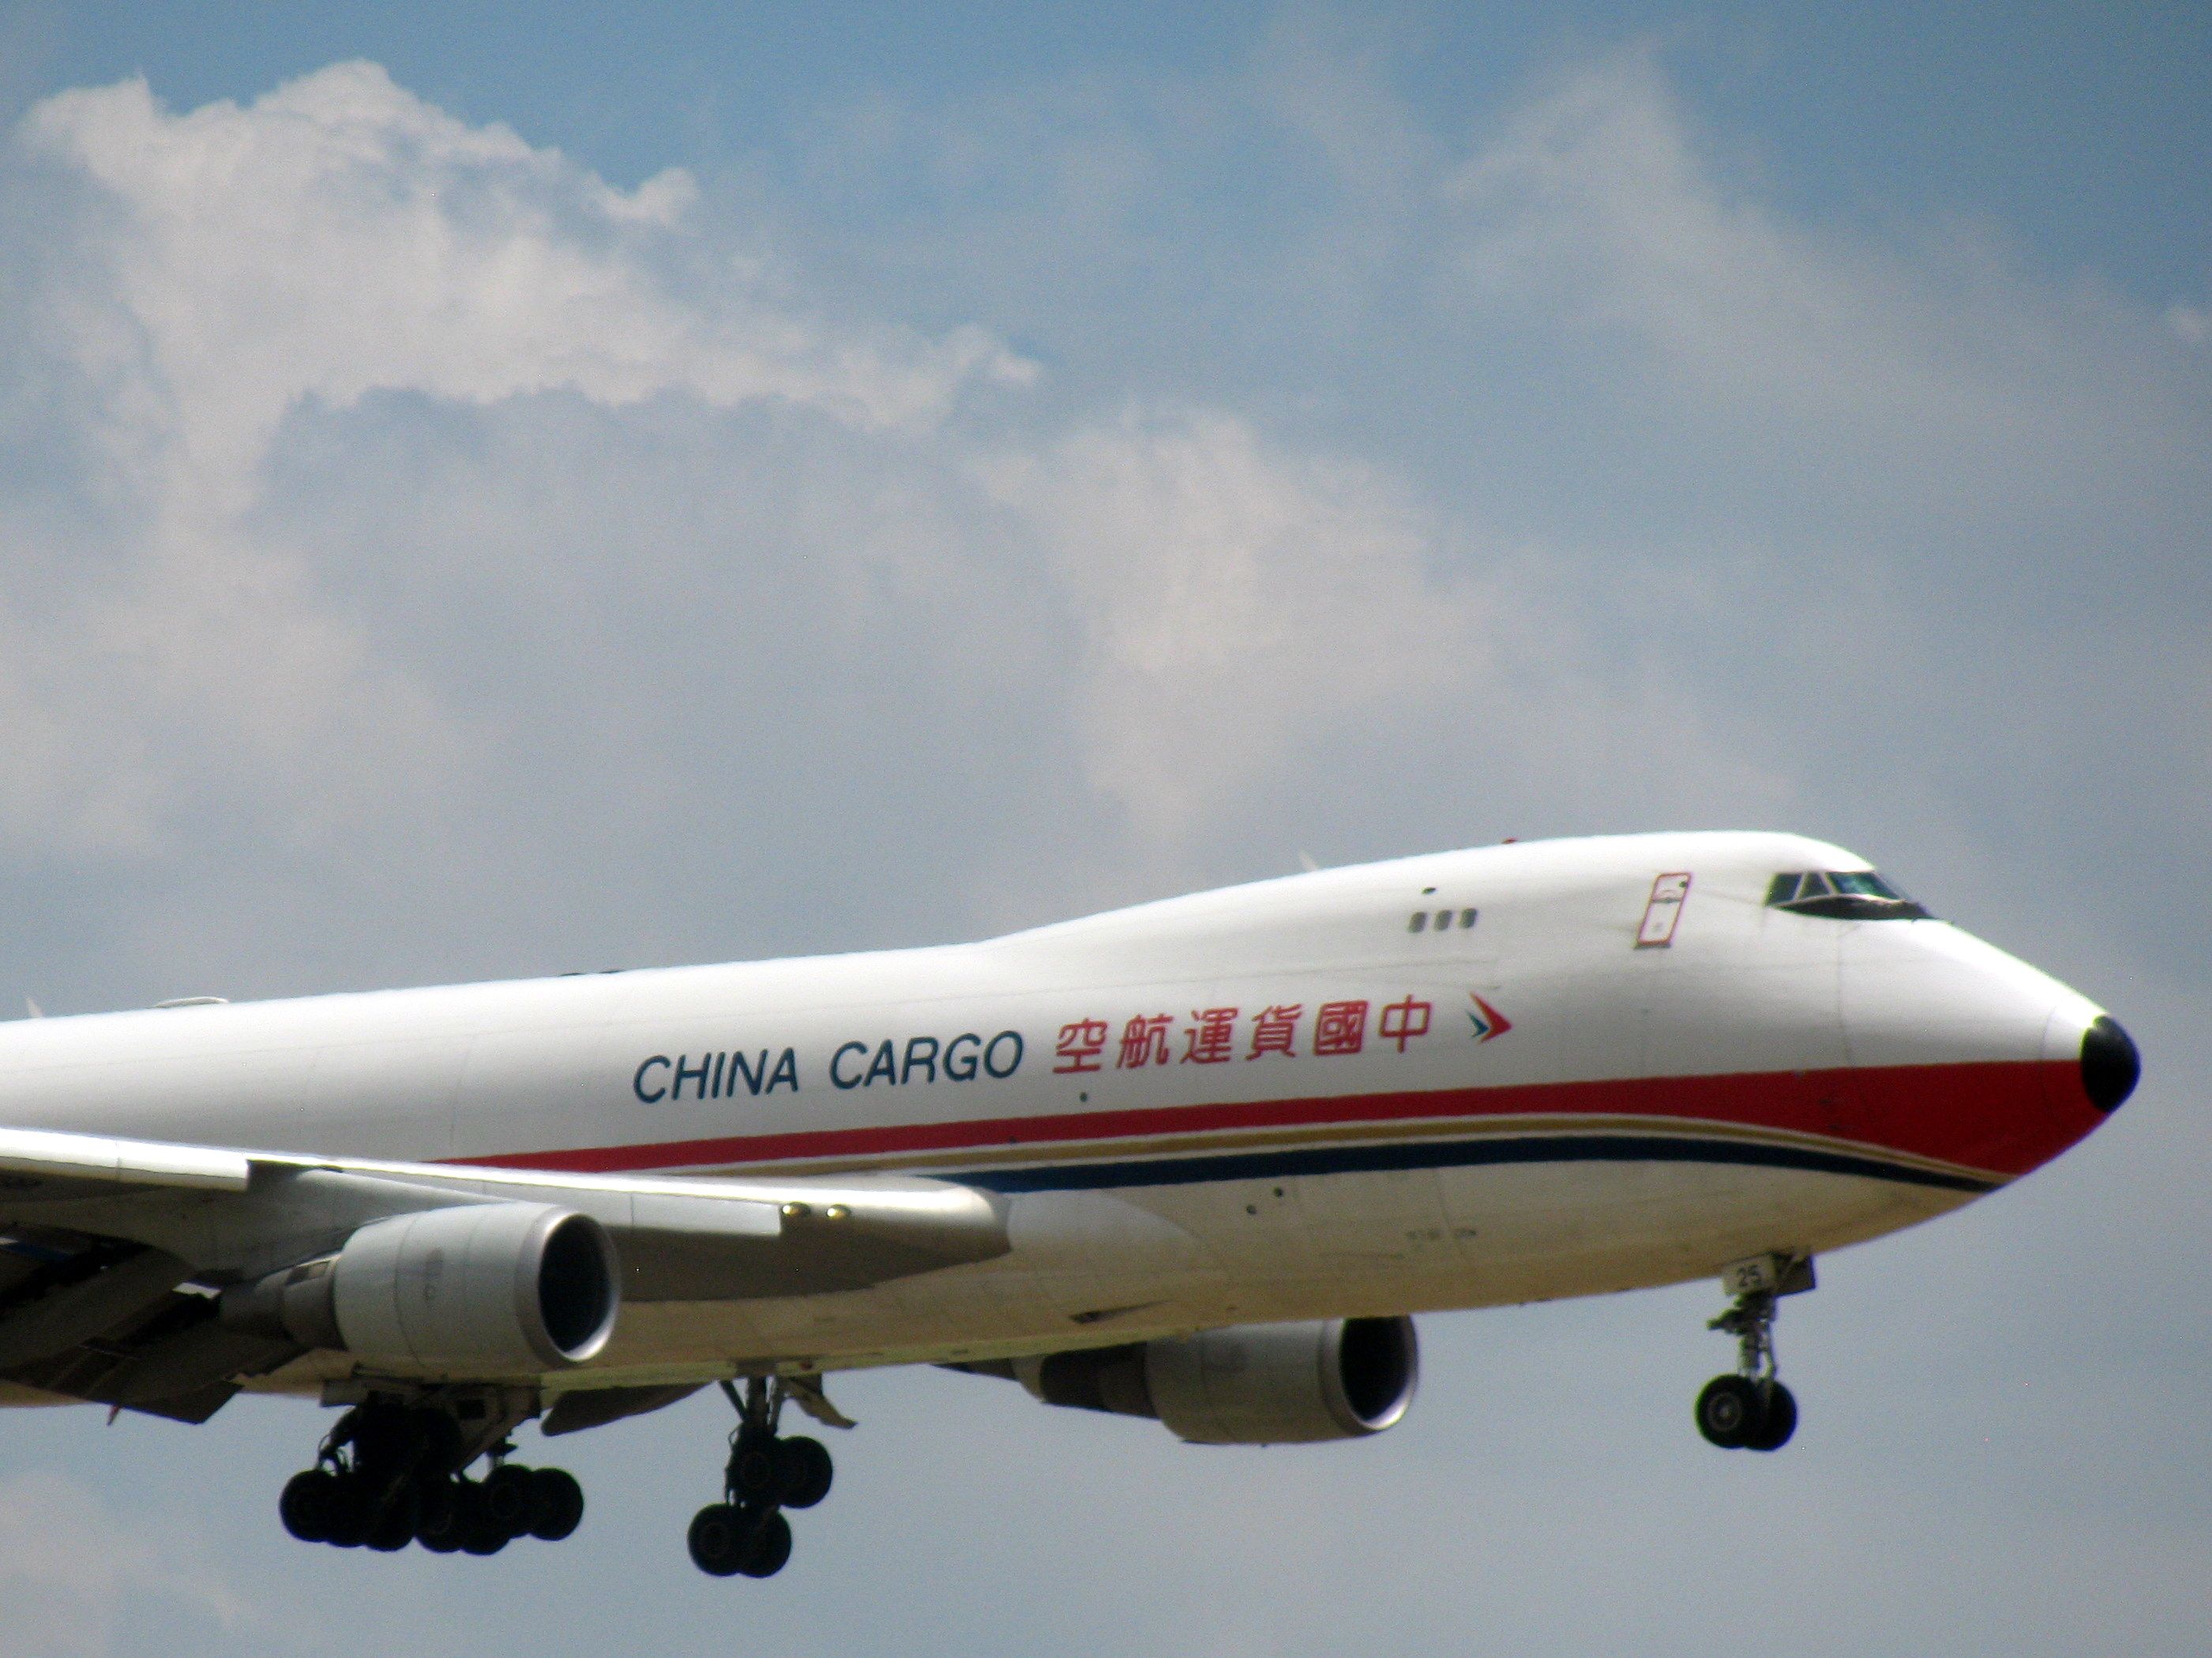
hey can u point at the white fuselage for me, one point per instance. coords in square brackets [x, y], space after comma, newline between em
[1272, 1102]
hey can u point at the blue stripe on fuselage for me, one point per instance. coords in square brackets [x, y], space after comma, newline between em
[1261, 1165]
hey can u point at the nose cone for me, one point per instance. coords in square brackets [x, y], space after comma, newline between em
[2110, 1064]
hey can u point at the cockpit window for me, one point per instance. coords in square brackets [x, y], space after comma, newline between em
[1865, 884]
[1842, 895]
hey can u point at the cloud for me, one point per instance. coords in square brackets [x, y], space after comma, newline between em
[1236, 607]
[1908, 483]
[339, 235]
[1593, 195]
[199, 279]
[69, 1570]
[417, 479]
[1922, 388]
[379, 477]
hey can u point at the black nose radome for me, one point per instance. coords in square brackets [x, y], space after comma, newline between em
[2110, 1064]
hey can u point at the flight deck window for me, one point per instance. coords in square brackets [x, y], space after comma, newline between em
[1419, 922]
[1865, 883]
[1443, 919]
[1466, 919]
[1842, 895]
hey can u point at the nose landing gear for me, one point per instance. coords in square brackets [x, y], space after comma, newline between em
[747, 1533]
[1752, 1411]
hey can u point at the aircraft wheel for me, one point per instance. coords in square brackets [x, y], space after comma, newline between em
[755, 1470]
[1779, 1420]
[717, 1539]
[1730, 1412]
[349, 1515]
[803, 1472]
[767, 1547]
[445, 1523]
[394, 1528]
[507, 1490]
[305, 1508]
[556, 1505]
[481, 1533]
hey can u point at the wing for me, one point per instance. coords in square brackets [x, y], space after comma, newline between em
[112, 1252]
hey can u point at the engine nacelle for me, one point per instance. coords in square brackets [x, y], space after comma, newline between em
[477, 1289]
[1257, 1384]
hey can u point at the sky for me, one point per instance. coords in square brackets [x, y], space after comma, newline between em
[486, 493]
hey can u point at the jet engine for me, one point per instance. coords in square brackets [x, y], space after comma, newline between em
[478, 1290]
[1259, 1384]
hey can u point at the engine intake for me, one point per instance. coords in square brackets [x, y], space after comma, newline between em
[1260, 1384]
[477, 1289]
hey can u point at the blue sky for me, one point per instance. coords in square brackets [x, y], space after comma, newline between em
[2080, 131]
[487, 493]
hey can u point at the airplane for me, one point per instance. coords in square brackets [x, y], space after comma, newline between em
[1198, 1161]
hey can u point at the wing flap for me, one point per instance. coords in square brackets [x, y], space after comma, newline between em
[75, 1309]
[167, 1358]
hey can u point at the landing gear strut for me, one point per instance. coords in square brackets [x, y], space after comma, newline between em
[1752, 1410]
[747, 1533]
[391, 1474]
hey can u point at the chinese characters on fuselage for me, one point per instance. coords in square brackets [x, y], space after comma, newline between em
[1209, 1036]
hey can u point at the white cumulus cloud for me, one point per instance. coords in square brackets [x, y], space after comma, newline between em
[68, 1567]
[340, 235]
[200, 277]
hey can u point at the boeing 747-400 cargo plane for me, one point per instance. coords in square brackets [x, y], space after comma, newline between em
[1198, 1160]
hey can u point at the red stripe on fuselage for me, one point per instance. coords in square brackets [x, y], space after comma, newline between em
[2004, 1117]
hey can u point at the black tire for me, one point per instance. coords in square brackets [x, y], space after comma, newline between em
[395, 1525]
[754, 1470]
[306, 1508]
[350, 1513]
[1780, 1420]
[480, 1534]
[446, 1514]
[556, 1505]
[768, 1546]
[1730, 1412]
[803, 1470]
[717, 1539]
[507, 1498]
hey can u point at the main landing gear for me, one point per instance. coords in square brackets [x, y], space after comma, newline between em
[747, 1533]
[1752, 1411]
[391, 1474]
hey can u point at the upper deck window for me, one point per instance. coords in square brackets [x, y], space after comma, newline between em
[1842, 895]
